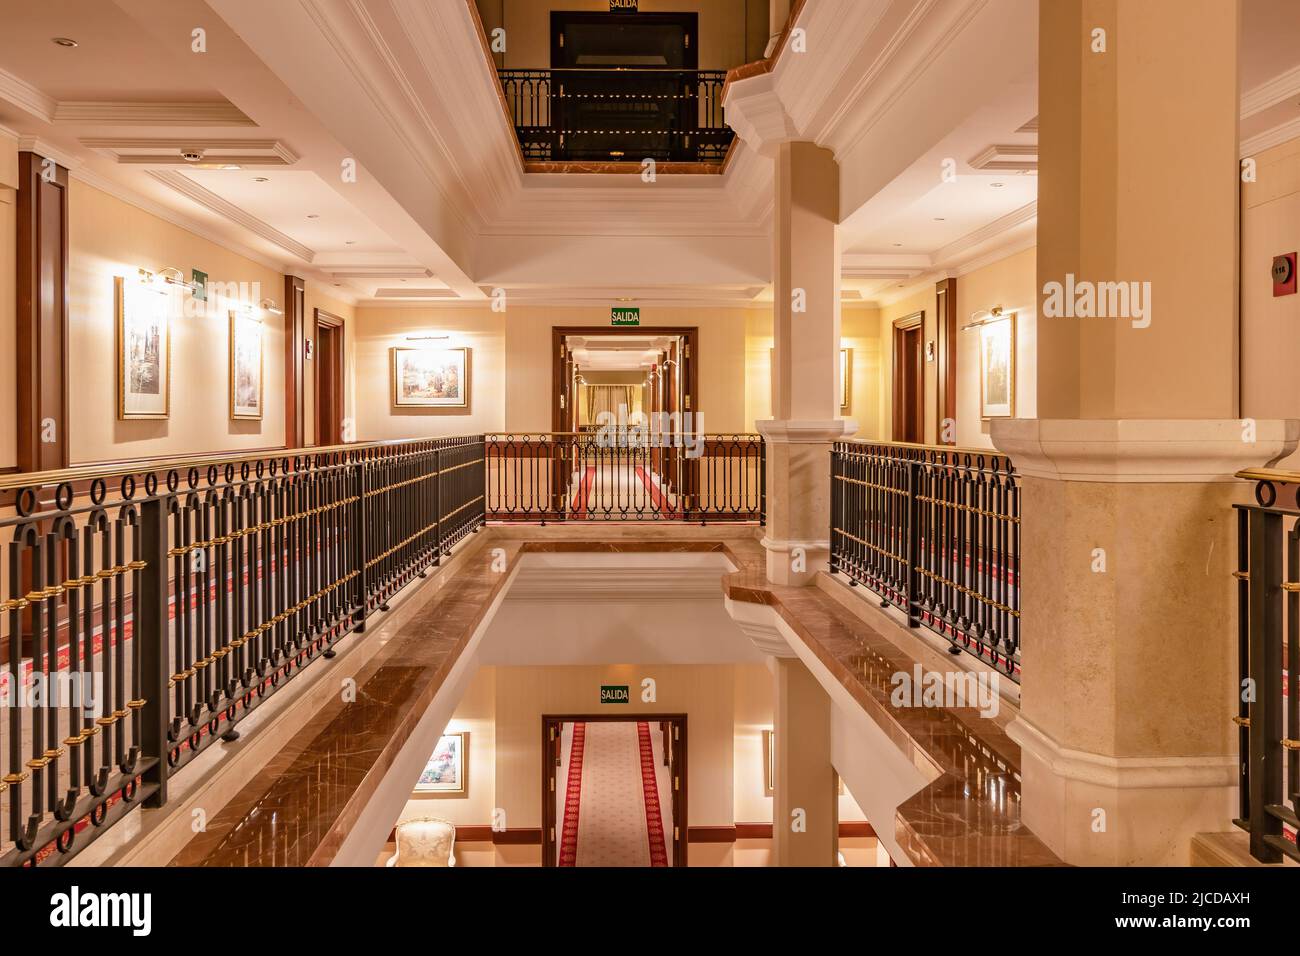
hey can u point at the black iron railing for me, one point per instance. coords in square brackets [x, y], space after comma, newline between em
[146, 610]
[935, 532]
[618, 115]
[594, 476]
[1268, 648]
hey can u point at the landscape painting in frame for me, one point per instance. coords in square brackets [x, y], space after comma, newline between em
[445, 771]
[998, 368]
[431, 378]
[245, 366]
[143, 350]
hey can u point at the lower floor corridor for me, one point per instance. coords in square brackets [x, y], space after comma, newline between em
[613, 795]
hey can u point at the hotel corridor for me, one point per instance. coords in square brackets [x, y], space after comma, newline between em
[613, 799]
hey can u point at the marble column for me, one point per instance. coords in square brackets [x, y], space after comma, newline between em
[806, 334]
[1127, 529]
[805, 815]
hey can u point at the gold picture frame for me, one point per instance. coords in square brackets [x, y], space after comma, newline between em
[446, 772]
[430, 378]
[846, 379]
[997, 345]
[143, 357]
[247, 374]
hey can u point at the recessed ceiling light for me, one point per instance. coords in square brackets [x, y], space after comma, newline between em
[898, 245]
[938, 219]
[261, 179]
[350, 242]
[65, 41]
[996, 185]
[312, 216]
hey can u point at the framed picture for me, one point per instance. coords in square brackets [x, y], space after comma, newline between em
[998, 368]
[245, 366]
[769, 763]
[445, 771]
[431, 378]
[846, 372]
[144, 350]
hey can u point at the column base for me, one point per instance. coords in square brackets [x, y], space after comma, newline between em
[1096, 810]
[795, 563]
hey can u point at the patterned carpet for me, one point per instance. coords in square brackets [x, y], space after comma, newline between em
[612, 815]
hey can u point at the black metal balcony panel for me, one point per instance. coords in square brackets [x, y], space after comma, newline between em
[576, 115]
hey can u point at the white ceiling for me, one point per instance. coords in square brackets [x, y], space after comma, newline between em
[441, 209]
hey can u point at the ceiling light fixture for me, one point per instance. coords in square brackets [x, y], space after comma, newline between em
[65, 41]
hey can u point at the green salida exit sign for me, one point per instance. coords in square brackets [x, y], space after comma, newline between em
[623, 316]
[614, 694]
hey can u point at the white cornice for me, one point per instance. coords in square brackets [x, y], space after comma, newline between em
[27, 97]
[1280, 88]
[156, 151]
[1269, 138]
[34, 144]
[227, 210]
[997, 227]
[97, 113]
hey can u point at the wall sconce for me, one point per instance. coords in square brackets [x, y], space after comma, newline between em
[270, 306]
[427, 338]
[992, 315]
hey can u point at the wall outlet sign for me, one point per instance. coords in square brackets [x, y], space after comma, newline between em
[199, 285]
[1284, 274]
[614, 694]
[624, 316]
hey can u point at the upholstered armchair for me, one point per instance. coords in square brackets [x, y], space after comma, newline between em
[425, 842]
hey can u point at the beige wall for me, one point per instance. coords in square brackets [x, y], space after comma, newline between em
[732, 32]
[109, 238]
[8, 301]
[1010, 283]
[1270, 348]
[510, 370]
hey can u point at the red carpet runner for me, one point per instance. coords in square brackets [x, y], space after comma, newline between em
[568, 853]
[654, 821]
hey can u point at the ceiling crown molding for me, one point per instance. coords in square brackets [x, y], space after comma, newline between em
[1006, 157]
[34, 144]
[214, 203]
[166, 151]
[106, 113]
[27, 97]
[402, 293]
[1280, 88]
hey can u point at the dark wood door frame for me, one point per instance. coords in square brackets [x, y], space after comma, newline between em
[909, 378]
[329, 407]
[552, 776]
[295, 347]
[945, 292]
[42, 313]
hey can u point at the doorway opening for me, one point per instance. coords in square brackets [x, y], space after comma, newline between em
[614, 790]
[329, 378]
[909, 379]
[622, 407]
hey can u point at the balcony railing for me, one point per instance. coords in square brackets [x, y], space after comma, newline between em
[1268, 649]
[618, 115]
[935, 532]
[625, 477]
[146, 610]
